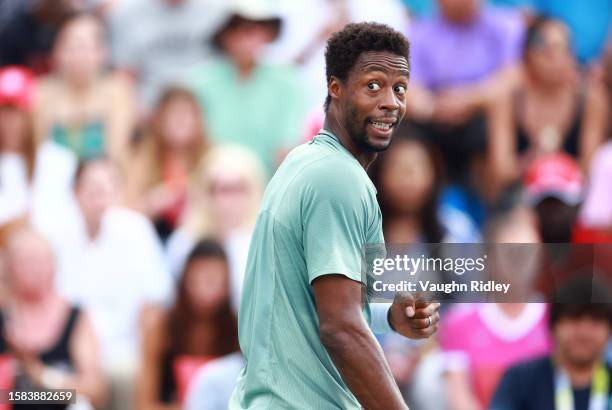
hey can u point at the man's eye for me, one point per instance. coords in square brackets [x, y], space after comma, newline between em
[374, 86]
[400, 89]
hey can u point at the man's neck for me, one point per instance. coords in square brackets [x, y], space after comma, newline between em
[333, 124]
[245, 68]
[550, 90]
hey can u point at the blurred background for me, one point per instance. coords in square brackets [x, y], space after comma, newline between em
[137, 137]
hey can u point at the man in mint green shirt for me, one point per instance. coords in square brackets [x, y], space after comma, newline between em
[245, 100]
[303, 323]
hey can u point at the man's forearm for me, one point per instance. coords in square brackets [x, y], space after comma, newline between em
[361, 362]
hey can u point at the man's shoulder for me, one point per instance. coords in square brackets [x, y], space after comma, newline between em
[516, 389]
[527, 371]
[330, 171]
[207, 74]
[311, 160]
[312, 175]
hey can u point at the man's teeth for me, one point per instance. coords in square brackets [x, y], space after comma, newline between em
[381, 125]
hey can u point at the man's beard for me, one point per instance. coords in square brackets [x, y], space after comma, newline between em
[356, 129]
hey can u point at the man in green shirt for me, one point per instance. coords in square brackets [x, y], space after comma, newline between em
[244, 99]
[303, 322]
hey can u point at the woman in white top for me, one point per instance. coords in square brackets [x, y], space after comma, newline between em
[35, 179]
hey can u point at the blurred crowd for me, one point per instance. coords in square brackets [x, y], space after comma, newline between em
[137, 138]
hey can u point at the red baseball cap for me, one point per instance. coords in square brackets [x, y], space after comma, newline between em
[554, 175]
[16, 87]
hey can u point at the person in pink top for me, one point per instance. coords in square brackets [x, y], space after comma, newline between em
[480, 341]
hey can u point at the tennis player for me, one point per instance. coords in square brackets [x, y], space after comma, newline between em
[305, 328]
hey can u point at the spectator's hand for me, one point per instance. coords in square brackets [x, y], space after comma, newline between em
[160, 198]
[33, 368]
[43, 376]
[412, 318]
[421, 103]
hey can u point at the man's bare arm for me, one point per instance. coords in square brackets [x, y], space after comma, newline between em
[351, 344]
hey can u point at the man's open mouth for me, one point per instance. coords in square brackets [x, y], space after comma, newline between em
[380, 125]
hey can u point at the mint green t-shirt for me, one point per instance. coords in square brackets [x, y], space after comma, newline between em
[263, 112]
[318, 213]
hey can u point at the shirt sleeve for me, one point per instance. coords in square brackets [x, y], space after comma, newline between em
[335, 216]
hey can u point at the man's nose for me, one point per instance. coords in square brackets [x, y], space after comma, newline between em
[389, 101]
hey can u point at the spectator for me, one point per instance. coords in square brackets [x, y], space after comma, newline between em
[589, 23]
[111, 263]
[222, 204]
[159, 41]
[214, 383]
[575, 375]
[27, 38]
[308, 23]
[53, 341]
[456, 55]
[554, 186]
[260, 106]
[480, 341]
[79, 105]
[549, 109]
[166, 159]
[409, 179]
[200, 325]
[35, 178]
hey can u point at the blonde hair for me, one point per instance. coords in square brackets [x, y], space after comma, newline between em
[150, 152]
[232, 159]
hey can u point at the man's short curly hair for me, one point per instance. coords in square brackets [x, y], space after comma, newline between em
[344, 48]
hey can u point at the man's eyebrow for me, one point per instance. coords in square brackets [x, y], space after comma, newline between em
[370, 67]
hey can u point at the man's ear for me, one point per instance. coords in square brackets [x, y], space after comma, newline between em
[334, 88]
